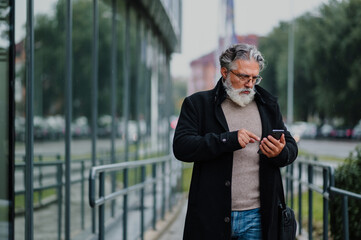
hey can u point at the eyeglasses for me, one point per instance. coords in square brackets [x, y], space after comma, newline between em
[244, 78]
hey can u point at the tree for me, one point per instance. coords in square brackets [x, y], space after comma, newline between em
[327, 76]
[50, 59]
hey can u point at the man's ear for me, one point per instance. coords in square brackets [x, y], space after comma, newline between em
[224, 72]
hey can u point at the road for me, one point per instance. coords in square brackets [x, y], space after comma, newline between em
[331, 148]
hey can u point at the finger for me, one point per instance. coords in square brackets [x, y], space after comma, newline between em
[270, 143]
[244, 138]
[253, 136]
[283, 139]
[266, 150]
[273, 140]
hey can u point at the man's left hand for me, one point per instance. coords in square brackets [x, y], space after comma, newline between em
[272, 147]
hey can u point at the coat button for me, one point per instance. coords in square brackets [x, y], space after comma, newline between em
[227, 183]
[224, 140]
[227, 219]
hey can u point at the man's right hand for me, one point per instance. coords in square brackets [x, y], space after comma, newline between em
[245, 137]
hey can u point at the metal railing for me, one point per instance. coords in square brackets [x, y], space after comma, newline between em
[52, 178]
[317, 174]
[163, 170]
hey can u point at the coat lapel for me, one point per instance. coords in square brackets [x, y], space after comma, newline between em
[220, 95]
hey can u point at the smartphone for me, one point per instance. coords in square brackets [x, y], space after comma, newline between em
[277, 133]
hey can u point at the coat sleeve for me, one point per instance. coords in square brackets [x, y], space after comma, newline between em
[190, 146]
[289, 153]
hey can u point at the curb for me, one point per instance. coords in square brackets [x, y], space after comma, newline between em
[163, 225]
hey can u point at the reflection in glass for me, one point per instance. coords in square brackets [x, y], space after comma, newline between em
[4, 121]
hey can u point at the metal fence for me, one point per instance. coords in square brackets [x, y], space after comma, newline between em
[164, 172]
[314, 176]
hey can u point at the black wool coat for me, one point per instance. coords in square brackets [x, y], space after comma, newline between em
[202, 137]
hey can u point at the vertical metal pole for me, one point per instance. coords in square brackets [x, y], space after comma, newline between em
[154, 176]
[290, 84]
[126, 117]
[163, 190]
[68, 117]
[40, 192]
[299, 198]
[142, 216]
[29, 141]
[101, 207]
[346, 235]
[325, 204]
[94, 93]
[310, 201]
[11, 117]
[60, 198]
[113, 96]
[146, 81]
[138, 92]
[82, 195]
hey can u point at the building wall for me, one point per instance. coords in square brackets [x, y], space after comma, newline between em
[100, 77]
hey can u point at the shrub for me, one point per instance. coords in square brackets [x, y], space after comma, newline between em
[347, 177]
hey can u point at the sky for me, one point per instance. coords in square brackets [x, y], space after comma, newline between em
[201, 27]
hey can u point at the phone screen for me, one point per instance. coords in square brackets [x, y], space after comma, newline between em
[277, 133]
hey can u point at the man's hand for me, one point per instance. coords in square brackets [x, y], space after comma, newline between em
[245, 137]
[272, 147]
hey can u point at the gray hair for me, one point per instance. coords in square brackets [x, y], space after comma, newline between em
[241, 51]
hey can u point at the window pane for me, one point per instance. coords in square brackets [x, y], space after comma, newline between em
[4, 120]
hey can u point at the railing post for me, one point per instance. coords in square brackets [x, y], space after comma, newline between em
[82, 196]
[125, 206]
[142, 218]
[40, 192]
[299, 198]
[345, 217]
[163, 190]
[310, 202]
[60, 196]
[101, 207]
[325, 204]
[154, 176]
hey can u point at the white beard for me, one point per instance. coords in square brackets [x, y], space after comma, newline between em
[237, 96]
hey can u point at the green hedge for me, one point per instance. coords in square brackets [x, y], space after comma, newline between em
[348, 177]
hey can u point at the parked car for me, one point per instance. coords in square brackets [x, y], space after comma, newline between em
[356, 134]
[303, 130]
[326, 130]
[342, 132]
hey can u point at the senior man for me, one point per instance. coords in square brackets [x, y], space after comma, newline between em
[236, 183]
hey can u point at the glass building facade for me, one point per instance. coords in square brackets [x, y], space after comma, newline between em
[83, 83]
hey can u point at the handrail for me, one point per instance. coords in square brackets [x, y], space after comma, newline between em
[327, 190]
[120, 166]
[166, 170]
[94, 171]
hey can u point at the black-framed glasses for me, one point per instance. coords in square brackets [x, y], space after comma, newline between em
[244, 78]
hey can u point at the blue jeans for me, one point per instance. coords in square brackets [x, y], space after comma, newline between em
[246, 225]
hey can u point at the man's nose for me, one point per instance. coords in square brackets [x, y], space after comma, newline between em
[249, 83]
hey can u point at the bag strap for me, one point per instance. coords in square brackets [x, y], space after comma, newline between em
[282, 200]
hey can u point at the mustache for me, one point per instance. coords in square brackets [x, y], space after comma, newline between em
[241, 90]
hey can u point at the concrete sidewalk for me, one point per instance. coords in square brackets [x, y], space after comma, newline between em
[171, 228]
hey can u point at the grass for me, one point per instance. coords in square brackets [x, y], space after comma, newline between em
[20, 199]
[327, 158]
[187, 175]
[317, 212]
